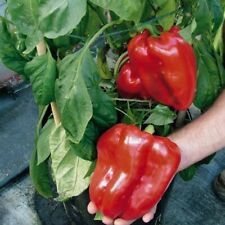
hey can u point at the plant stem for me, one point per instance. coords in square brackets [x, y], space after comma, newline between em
[131, 100]
[105, 27]
[124, 113]
[41, 50]
[122, 59]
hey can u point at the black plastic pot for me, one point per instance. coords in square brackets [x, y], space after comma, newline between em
[76, 209]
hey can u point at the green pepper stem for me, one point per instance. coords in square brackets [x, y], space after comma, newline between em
[131, 100]
[120, 61]
[105, 27]
[150, 129]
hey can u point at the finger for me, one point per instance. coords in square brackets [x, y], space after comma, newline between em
[149, 216]
[106, 220]
[123, 222]
[91, 208]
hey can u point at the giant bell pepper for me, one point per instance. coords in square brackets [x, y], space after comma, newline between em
[160, 68]
[133, 170]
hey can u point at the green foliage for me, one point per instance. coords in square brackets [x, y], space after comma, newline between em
[104, 71]
[94, 20]
[47, 18]
[72, 98]
[161, 115]
[104, 112]
[57, 18]
[126, 9]
[86, 148]
[39, 173]
[68, 169]
[9, 55]
[203, 17]
[188, 174]
[211, 75]
[208, 17]
[167, 8]
[43, 149]
[42, 74]
[91, 169]
[40, 176]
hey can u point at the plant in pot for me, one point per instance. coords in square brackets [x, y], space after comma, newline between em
[74, 53]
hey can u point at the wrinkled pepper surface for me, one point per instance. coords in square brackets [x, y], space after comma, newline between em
[161, 68]
[133, 170]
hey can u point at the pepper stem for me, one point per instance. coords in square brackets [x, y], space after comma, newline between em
[150, 129]
[120, 61]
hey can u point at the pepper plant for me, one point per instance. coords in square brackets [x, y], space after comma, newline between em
[72, 51]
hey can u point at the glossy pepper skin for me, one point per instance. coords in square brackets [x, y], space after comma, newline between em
[133, 170]
[163, 69]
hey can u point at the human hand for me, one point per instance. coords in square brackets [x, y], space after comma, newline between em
[109, 221]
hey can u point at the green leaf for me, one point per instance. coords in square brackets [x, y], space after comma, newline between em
[48, 18]
[43, 149]
[210, 80]
[203, 18]
[217, 11]
[126, 9]
[9, 55]
[104, 112]
[161, 115]
[42, 73]
[206, 160]
[103, 68]
[159, 3]
[90, 170]
[32, 40]
[86, 149]
[186, 33]
[188, 174]
[57, 17]
[62, 41]
[188, 11]
[93, 22]
[40, 173]
[18, 39]
[221, 69]
[24, 14]
[72, 96]
[167, 8]
[208, 17]
[40, 176]
[68, 169]
[130, 117]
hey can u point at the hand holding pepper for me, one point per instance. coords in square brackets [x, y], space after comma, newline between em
[92, 209]
[133, 171]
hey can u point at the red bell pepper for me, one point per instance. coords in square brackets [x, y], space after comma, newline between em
[129, 84]
[160, 68]
[133, 170]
